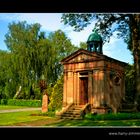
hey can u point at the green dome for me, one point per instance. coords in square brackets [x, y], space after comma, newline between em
[94, 37]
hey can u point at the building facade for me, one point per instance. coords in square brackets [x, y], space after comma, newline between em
[93, 78]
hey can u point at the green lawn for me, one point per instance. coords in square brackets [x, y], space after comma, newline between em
[34, 118]
[28, 119]
[7, 119]
[112, 123]
[5, 107]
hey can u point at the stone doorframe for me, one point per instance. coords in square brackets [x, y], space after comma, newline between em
[90, 86]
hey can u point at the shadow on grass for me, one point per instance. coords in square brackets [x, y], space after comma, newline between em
[96, 123]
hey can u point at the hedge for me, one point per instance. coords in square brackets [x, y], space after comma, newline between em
[21, 102]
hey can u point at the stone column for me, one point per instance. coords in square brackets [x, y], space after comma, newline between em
[78, 85]
[101, 87]
[90, 84]
[74, 87]
[106, 87]
[70, 87]
[95, 88]
[65, 90]
[45, 103]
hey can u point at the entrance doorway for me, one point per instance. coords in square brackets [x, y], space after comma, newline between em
[83, 90]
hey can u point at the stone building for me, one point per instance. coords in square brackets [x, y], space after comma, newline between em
[93, 78]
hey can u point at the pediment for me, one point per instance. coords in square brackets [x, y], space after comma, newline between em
[82, 56]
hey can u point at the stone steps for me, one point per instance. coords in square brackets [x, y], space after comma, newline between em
[72, 113]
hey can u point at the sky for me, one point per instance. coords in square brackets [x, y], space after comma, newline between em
[50, 22]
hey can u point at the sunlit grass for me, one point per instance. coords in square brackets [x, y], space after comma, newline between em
[7, 119]
[36, 118]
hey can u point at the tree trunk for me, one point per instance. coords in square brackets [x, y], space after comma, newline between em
[136, 54]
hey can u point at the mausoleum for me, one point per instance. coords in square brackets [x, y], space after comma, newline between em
[93, 79]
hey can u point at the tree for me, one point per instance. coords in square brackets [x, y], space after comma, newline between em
[61, 47]
[33, 56]
[27, 43]
[83, 45]
[127, 26]
[129, 83]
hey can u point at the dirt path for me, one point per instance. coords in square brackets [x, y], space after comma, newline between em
[18, 110]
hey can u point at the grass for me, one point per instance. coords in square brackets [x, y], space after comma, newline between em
[119, 119]
[5, 107]
[36, 118]
[110, 123]
[8, 119]
[111, 116]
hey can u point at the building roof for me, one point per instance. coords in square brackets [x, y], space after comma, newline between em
[94, 55]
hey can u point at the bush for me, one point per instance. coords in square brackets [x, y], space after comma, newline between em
[49, 114]
[56, 96]
[21, 102]
[118, 116]
[3, 102]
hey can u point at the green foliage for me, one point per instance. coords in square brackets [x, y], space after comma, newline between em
[77, 21]
[31, 55]
[106, 24]
[60, 48]
[37, 93]
[21, 102]
[7, 85]
[56, 96]
[129, 83]
[83, 45]
[118, 116]
[3, 102]
[49, 114]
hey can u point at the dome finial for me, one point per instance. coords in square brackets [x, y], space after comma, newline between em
[94, 30]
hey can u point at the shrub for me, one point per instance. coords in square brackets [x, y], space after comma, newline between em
[3, 101]
[21, 102]
[56, 96]
[49, 113]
